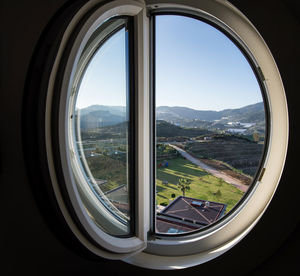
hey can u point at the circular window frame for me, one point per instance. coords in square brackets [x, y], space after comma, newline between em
[190, 250]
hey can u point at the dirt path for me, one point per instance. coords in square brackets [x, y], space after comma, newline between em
[227, 178]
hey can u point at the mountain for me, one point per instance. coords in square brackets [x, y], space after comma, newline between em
[115, 110]
[168, 113]
[96, 116]
[254, 113]
[248, 114]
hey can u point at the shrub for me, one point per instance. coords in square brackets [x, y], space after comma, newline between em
[218, 193]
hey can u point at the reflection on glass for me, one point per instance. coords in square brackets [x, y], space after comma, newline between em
[210, 124]
[102, 133]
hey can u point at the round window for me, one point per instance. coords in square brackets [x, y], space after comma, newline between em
[161, 139]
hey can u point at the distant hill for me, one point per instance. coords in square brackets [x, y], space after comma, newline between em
[254, 113]
[248, 114]
[165, 129]
[168, 113]
[246, 120]
[98, 116]
[115, 110]
[115, 131]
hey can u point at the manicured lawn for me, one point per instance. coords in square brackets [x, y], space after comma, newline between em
[203, 186]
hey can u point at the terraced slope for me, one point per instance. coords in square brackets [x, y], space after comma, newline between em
[239, 153]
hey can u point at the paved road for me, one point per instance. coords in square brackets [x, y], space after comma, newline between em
[227, 178]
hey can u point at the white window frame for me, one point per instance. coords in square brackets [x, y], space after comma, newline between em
[108, 246]
[151, 250]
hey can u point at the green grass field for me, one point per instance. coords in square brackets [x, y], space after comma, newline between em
[203, 185]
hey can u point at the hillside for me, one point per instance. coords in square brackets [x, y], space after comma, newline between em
[165, 129]
[116, 131]
[251, 113]
[246, 120]
[238, 152]
[96, 116]
[115, 110]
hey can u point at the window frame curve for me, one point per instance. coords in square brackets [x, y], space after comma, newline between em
[81, 28]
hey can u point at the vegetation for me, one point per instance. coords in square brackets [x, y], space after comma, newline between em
[164, 151]
[165, 129]
[183, 185]
[201, 133]
[202, 184]
[107, 168]
[238, 152]
[116, 131]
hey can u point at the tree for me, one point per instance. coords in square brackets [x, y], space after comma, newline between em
[218, 193]
[184, 185]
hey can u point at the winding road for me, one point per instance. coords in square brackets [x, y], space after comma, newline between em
[227, 178]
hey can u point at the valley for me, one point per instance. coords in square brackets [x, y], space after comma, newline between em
[218, 152]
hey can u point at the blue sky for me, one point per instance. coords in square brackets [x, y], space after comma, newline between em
[196, 66]
[199, 67]
[104, 81]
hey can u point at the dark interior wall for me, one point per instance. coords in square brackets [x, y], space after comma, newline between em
[28, 245]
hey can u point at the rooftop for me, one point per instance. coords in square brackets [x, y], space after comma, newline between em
[186, 214]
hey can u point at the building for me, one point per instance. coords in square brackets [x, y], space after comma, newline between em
[186, 214]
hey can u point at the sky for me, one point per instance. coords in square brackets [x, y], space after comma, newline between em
[197, 66]
[104, 81]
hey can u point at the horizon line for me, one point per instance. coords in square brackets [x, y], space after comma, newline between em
[176, 106]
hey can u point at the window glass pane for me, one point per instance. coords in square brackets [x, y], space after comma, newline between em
[102, 131]
[210, 124]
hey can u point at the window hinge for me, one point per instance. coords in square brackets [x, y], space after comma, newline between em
[151, 236]
[148, 12]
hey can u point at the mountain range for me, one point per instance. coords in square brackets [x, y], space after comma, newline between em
[97, 116]
[249, 114]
